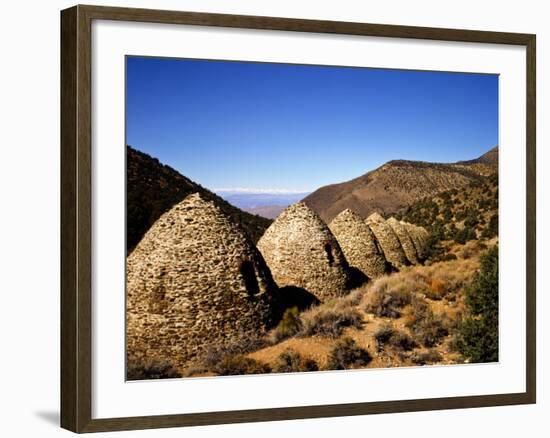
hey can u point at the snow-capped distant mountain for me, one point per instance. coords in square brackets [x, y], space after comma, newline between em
[266, 203]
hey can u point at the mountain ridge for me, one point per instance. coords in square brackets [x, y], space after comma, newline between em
[398, 183]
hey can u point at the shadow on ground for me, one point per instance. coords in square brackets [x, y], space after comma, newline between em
[51, 417]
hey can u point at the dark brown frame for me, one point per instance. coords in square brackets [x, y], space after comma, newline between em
[76, 174]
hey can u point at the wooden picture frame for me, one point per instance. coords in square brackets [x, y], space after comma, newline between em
[76, 218]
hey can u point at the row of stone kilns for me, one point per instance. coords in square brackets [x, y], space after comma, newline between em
[301, 250]
[196, 281]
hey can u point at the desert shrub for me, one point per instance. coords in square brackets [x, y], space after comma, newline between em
[491, 230]
[353, 298]
[382, 336]
[386, 335]
[402, 341]
[466, 253]
[150, 369]
[387, 295]
[481, 246]
[433, 244]
[239, 365]
[465, 234]
[346, 354]
[426, 327]
[289, 325]
[387, 303]
[290, 361]
[424, 357]
[329, 323]
[472, 219]
[448, 257]
[216, 353]
[450, 231]
[477, 339]
[436, 289]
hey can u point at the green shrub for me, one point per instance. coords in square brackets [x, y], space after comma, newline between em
[433, 243]
[346, 354]
[330, 323]
[239, 365]
[477, 339]
[150, 369]
[448, 257]
[290, 361]
[491, 230]
[465, 234]
[289, 325]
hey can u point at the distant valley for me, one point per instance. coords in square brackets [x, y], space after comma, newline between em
[266, 204]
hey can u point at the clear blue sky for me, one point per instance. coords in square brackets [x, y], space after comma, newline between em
[279, 126]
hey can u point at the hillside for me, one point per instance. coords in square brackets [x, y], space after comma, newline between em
[459, 215]
[397, 184]
[413, 317]
[152, 188]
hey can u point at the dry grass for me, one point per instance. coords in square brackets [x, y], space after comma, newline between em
[290, 361]
[330, 323]
[150, 369]
[402, 319]
[238, 365]
[347, 354]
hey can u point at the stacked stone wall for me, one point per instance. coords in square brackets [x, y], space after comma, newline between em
[301, 251]
[358, 243]
[195, 281]
[388, 240]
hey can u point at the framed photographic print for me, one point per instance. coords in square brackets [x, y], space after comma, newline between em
[270, 218]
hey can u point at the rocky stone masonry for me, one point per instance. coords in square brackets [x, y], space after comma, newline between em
[419, 237]
[388, 240]
[195, 280]
[301, 251]
[358, 243]
[405, 239]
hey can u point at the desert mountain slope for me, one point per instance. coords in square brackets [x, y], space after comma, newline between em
[153, 188]
[461, 214]
[398, 183]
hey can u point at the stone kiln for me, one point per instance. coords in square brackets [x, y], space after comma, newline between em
[405, 240]
[195, 281]
[419, 237]
[301, 251]
[388, 240]
[358, 243]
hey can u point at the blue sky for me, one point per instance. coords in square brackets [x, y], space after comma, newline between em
[294, 127]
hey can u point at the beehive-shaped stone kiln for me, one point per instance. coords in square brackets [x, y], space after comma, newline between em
[388, 240]
[358, 243]
[419, 237]
[195, 281]
[301, 251]
[405, 239]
